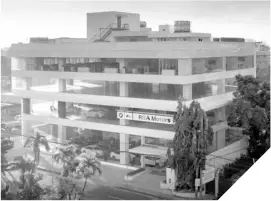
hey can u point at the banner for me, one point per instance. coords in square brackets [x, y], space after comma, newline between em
[145, 117]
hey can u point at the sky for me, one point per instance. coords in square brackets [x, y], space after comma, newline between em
[22, 19]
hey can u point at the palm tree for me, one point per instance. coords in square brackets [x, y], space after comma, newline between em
[87, 167]
[65, 155]
[36, 142]
[24, 164]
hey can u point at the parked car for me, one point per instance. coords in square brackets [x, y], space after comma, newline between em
[116, 155]
[94, 113]
[93, 149]
[155, 161]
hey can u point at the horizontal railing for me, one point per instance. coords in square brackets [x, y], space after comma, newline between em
[207, 103]
[138, 78]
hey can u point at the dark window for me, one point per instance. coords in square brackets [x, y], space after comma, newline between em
[200, 39]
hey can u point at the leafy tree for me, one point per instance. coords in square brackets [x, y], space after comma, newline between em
[250, 110]
[63, 189]
[36, 142]
[6, 145]
[193, 135]
[25, 165]
[87, 167]
[65, 155]
[31, 190]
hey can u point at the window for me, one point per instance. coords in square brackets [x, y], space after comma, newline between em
[200, 39]
[163, 29]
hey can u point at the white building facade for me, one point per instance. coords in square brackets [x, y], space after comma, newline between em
[132, 85]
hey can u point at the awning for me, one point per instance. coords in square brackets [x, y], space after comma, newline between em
[152, 150]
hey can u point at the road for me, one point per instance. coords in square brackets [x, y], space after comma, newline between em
[109, 193]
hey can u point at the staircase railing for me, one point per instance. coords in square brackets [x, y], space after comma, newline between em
[107, 31]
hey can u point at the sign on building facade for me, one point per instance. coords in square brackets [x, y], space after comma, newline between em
[145, 117]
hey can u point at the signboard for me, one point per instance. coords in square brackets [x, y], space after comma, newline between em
[145, 117]
[208, 175]
[181, 26]
[125, 115]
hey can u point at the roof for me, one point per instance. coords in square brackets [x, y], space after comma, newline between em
[172, 35]
[148, 149]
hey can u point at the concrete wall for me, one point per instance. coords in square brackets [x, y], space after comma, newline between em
[227, 154]
[104, 19]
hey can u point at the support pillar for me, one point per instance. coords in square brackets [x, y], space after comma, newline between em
[124, 138]
[142, 156]
[124, 149]
[221, 83]
[220, 116]
[185, 69]
[25, 124]
[61, 105]
[221, 136]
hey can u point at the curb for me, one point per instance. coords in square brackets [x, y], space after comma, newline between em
[150, 193]
[118, 165]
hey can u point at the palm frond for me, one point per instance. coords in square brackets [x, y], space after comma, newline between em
[29, 141]
[45, 143]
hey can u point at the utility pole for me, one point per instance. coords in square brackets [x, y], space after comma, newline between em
[200, 169]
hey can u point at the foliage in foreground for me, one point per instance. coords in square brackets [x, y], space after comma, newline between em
[193, 135]
[250, 110]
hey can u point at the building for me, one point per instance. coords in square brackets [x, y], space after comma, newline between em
[5, 72]
[263, 61]
[124, 79]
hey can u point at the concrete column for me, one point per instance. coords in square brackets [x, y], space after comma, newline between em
[26, 105]
[220, 114]
[142, 161]
[214, 144]
[185, 69]
[142, 156]
[61, 105]
[221, 83]
[21, 64]
[221, 135]
[61, 109]
[220, 140]
[124, 149]
[124, 138]
[25, 84]
[62, 130]
[25, 110]
[143, 140]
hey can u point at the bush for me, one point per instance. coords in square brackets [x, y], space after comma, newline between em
[132, 173]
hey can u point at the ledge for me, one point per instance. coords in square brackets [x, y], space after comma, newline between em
[133, 174]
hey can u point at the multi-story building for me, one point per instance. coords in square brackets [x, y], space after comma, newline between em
[263, 61]
[124, 80]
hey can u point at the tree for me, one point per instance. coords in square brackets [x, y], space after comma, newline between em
[193, 135]
[32, 190]
[250, 110]
[6, 145]
[61, 190]
[36, 142]
[25, 165]
[87, 167]
[65, 155]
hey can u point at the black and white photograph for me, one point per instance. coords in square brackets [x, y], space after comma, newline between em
[134, 100]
